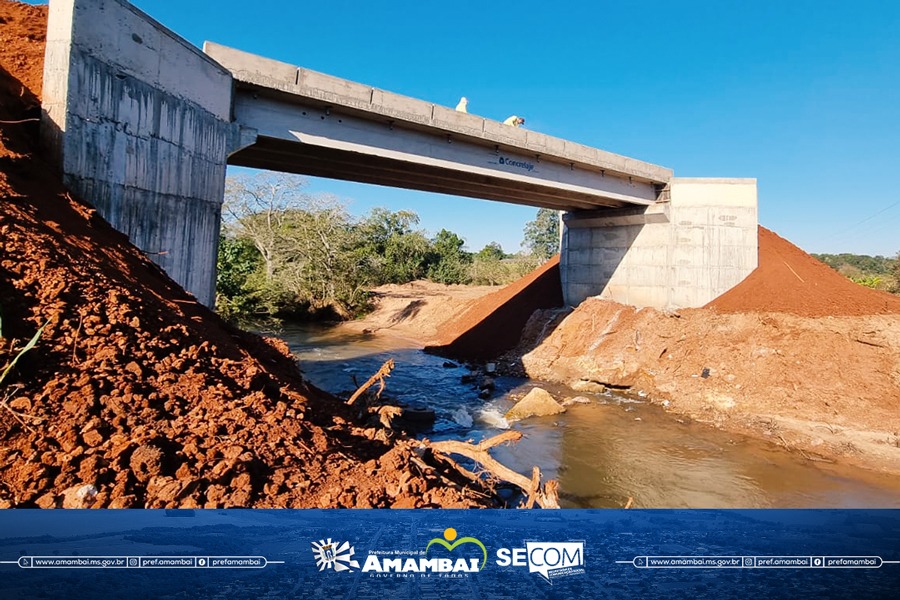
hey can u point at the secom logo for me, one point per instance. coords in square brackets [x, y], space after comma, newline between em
[550, 560]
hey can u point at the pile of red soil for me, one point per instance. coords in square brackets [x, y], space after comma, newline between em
[22, 32]
[788, 280]
[136, 395]
[494, 323]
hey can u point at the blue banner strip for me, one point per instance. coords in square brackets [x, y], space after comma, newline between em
[450, 553]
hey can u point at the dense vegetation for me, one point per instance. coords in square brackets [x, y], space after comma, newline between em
[285, 253]
[877, 272]
[542, 234]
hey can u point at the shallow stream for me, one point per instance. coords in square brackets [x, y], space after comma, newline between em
[603, 452]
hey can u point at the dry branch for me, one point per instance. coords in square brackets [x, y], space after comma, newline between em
[546, 497]
[384, 371]
[535, 486]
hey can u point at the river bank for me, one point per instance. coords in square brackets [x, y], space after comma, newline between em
[827, 388]
[606, 450]
[796, 355]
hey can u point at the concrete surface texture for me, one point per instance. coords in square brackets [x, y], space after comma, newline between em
[316, 124]
[138, 122]
[683, 252]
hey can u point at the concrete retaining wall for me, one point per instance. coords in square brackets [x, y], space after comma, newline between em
[676, 254]
[138, 121]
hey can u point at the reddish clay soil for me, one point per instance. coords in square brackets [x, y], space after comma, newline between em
[796, 354]
[788, 280]
[828, 386]
[414, 311]
[493, 323]
[23, 29]
[136, 395]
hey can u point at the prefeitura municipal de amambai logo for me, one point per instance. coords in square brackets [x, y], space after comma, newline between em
[334, 555]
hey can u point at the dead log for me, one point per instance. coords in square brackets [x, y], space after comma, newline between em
[545, 497]
[535, 487]
[378, 377]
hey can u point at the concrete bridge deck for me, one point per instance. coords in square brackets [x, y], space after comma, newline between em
[315, 124]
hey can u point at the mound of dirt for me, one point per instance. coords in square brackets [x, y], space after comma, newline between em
[135, 394]
[417, 309]
[788, 280]
[828, 385]
[23, 31]
[494, 323]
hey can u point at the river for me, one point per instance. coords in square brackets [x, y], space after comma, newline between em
[604, 452]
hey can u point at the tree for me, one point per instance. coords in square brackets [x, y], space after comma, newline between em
[286, 253]
[406, 258]
[542, 234]
[318, 265]
[238, 260]
[255, 207]
[305, 241]
[390, 248]
[449, 263]
[858, 264]
[492, 251]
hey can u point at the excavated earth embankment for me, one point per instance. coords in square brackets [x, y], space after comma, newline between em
[134, 394]
[796, 354]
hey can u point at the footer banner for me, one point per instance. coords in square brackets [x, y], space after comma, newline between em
[450, 553]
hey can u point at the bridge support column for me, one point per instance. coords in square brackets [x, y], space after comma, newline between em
[138, 121]
[679, 253]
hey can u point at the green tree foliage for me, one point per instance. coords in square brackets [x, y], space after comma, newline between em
[302, 240]
[492, 251]
[449, 263]
[238, 261]
[542, 234]
[391, 250]
[870, 281]
[867, 265]
[287, 253]
[876, 272]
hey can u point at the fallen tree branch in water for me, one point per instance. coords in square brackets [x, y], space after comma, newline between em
[384, 371]
[545, 497]
[534, 488]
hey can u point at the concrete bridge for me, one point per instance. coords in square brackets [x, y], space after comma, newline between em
[315, 124]
[142, 124]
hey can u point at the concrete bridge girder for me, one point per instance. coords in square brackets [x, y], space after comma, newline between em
[362, 125]
[447, 163]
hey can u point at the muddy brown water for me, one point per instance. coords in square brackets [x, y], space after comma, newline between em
[602, 452]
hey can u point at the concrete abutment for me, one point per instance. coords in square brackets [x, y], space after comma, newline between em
[139, 123]
[694, 245]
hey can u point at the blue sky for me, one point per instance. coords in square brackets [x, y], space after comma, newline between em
[803, 95]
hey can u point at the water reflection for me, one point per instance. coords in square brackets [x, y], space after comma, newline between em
[604, 452]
